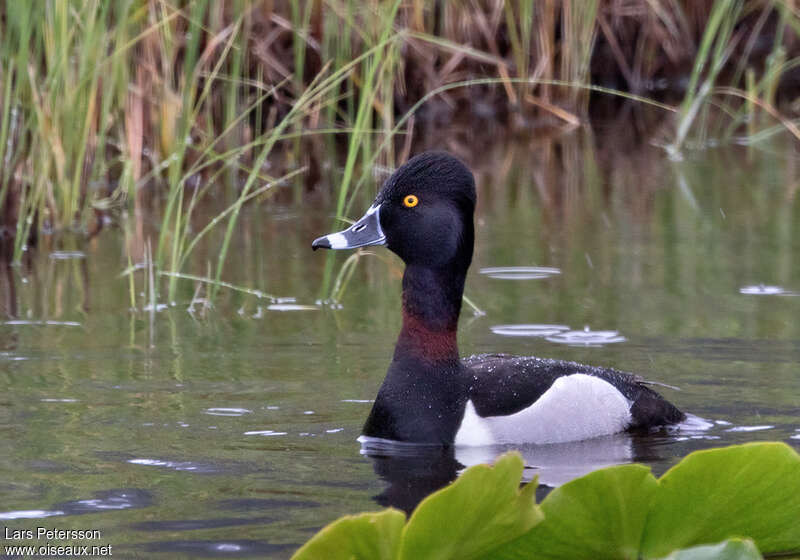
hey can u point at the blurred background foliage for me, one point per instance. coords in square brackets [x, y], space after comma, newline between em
[136, 113]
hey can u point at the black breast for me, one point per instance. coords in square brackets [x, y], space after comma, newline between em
[501, 384]
[419, 402]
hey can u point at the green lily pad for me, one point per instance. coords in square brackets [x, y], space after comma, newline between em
[713, 496]
[746, 490]
[600, 515]
[734, 549]
[472, 517]
[368, 536]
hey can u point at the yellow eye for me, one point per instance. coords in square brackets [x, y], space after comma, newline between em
[410, 201]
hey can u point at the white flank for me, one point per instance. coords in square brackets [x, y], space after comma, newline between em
[574, 408]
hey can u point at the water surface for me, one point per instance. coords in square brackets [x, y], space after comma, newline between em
[231, 431]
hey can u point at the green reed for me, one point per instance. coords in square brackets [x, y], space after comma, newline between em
[57, 96]
[372, 68]
[712, 54]
[140, 109]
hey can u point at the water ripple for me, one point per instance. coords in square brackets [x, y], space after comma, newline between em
[29, 514]
[764, 290]
[291, 307]
[227, 411]
[199, 524]
[67, 255]
[749, 428]
[520, 272]
[108, 500]
[24, 322]
[531, 330]
[210, 549]
[587, 337]
[261, 504]
[174, 465]
[12, 357]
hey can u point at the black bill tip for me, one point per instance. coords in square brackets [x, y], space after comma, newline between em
[366, 231]
[321, 243]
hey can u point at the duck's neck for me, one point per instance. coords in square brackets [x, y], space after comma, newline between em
[431, 306]
[423, 396]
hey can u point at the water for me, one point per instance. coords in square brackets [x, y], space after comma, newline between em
[230, 430]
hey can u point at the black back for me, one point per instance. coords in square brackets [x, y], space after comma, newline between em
[502, 384]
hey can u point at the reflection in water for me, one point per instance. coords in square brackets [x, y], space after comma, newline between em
[8, 290]
[413, 471]
[556, 464]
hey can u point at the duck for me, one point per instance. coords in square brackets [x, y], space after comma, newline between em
[424, 213]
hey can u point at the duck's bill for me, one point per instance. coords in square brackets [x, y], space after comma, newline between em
[366, 231]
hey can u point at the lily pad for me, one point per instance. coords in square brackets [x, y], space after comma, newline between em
[368, 536]
[469, 519]
[746, 490]
[712, 495]
[701, 508]
[472, 517]
[600, 515]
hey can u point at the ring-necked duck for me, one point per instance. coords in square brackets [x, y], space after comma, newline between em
[424, 214]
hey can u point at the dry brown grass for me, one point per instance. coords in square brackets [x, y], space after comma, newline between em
[118, 103]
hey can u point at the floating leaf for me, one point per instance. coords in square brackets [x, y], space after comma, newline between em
[368, 536]
[746, 490]
[734, 549]
[600, 515]
[472, 517]
[619, 512]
